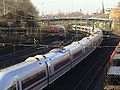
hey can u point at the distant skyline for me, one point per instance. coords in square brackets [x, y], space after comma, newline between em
[87, 6]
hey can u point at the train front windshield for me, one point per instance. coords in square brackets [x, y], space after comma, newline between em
[116, 62]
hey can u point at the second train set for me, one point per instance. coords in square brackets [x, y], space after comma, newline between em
[41, 70]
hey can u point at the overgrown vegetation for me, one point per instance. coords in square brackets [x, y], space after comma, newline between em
[17, 13]
[117, 23]
[18, 5]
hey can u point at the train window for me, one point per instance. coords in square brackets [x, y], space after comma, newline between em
[77, 54]
[12, 87]
[33, 79]
[61, 64]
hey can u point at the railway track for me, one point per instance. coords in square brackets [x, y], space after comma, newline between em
[89, 78]
[13, 58]
[83, 77]
[85, 85]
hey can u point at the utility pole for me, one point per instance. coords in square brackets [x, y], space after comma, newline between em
[103, 8]
[16, 5]
[4, 8]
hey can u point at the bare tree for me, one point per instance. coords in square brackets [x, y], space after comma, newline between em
[14, 6]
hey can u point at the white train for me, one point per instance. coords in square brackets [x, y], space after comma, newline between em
[41, 70]
[82, 28]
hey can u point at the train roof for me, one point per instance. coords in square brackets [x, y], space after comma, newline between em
[31, 59]
[75, 43]
[85, 41]
[116, 56]
[73, 46]
[40, 57]
[57, 50]
[55, 57]
[114, 70]
[7, 76]
[50, 55]
[88, 27]
[21, 67]
[94, 37]
[97, 29]
[55, 53]
[59, 26]
[14, 67]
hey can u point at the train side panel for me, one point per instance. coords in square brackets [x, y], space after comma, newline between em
[76, 50]
[37, 79]
[59, 64]
[26, 77]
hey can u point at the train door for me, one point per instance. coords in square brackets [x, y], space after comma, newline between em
[49, 71]
[71, 57]
[18, 86]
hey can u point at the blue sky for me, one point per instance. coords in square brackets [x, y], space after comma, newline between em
[54, 6]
